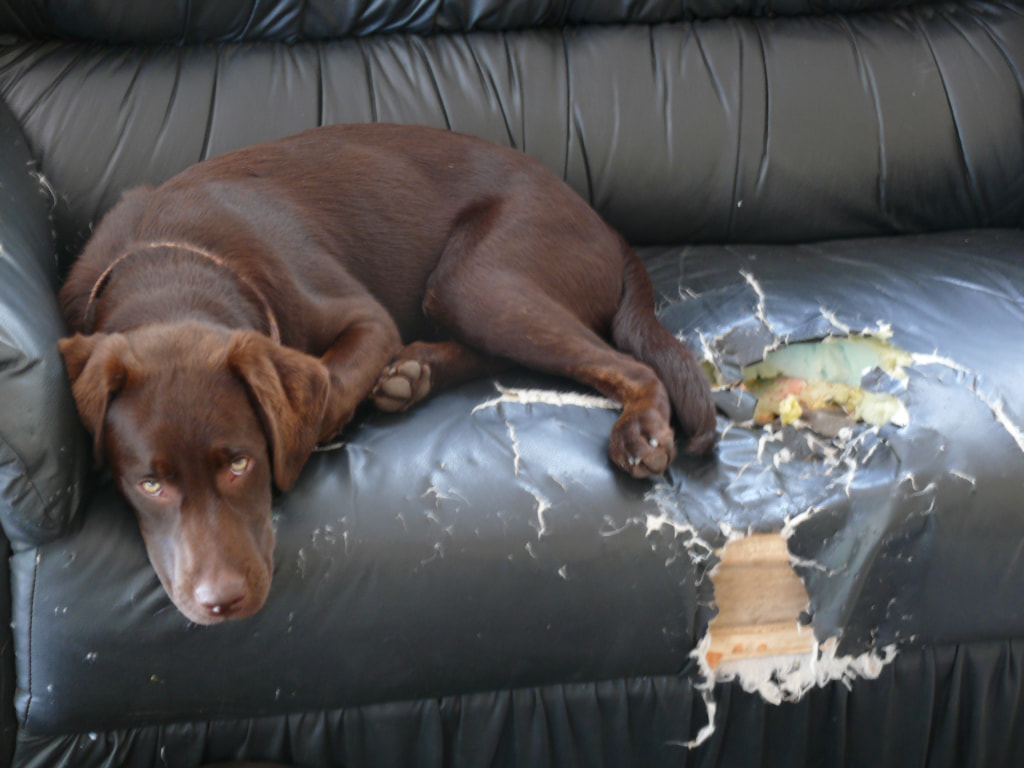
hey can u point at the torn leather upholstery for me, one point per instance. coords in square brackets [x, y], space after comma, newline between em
[471, 583]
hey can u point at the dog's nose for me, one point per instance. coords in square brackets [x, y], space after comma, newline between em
[221, 594]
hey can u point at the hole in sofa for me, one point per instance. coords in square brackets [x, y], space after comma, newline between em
[760, 601]
[827, 386]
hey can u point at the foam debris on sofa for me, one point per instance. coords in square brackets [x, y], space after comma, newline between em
[471, 583]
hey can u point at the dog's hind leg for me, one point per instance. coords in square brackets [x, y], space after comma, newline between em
[519, 322]
[536, 277]
[637, 330]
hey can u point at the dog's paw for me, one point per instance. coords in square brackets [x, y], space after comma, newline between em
[401, 385]
[642, 443]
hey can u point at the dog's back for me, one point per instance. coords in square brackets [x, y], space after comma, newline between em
[383, 200]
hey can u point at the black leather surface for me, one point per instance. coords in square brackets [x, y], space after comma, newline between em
[944, 707]
[788, 129]
[169, 21]
[8, 676]
[414, 561]
[41, 459]
[42, 462]
[466, 547]
[471, 583]
[913, 532]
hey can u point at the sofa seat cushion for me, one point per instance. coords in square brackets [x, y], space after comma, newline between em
[484, 542]
[641, 723]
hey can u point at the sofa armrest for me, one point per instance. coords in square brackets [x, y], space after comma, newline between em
[43, 456]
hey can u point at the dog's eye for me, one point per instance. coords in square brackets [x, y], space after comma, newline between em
[151, 487]
[239, 465]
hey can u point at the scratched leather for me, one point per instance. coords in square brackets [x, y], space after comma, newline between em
[795, 174]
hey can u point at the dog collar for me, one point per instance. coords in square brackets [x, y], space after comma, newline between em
[104, 278]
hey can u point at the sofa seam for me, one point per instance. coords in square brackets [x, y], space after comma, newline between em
[29, 632]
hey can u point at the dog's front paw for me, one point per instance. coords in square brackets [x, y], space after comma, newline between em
[642, 443]
[401, 385]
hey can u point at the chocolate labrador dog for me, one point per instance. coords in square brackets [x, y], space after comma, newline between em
[230, 319]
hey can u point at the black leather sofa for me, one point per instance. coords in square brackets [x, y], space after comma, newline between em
[471, 583]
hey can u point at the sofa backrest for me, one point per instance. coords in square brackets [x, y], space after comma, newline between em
[171, 22]
[715, 120]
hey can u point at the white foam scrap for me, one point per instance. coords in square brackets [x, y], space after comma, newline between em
[664, 498]
[881, 330]
[998, 409]
[543, 506]
[919, 358]
[515, 447]
[787, 678]
[705, 344]
[656, 522]
[762, 300]
[834, 321]
[768, 436]
[708, 730]
[547, 397]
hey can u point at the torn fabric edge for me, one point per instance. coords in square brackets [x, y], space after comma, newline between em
[787, 678]
[882, 330]
[782, 678]
[547, 397]
[707, 731]
[559, 398]
[997, 405]
[520, 396]
[776, 679]
[701, 554]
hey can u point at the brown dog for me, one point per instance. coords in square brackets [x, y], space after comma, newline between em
[233, 317]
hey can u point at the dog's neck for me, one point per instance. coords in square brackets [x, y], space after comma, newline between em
[104, 278]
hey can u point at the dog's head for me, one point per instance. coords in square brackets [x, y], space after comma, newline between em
[197, 423]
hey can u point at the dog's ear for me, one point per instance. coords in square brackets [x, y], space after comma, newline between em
[98, 366]
[290, 391]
